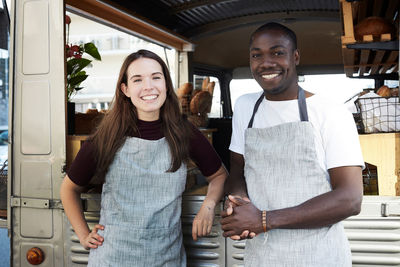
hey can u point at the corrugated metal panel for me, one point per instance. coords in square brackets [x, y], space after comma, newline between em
[208, 251]
[75, 255]
[375, 237]
[196, 13]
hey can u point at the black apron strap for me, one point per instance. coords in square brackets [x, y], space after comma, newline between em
[259, 100]
[301, 99]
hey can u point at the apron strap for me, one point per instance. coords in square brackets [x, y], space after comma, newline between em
[259, 100]
[301, 99]
[302, 105]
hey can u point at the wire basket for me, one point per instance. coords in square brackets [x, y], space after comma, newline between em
[379, 114]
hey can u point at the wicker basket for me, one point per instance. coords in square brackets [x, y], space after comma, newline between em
[379, 114]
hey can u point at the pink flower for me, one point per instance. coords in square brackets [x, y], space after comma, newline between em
[75, 48]
[67, 20]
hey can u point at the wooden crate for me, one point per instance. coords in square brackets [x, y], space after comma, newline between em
[74, 143]
[368, 62]
[383, 151]
[86, 123]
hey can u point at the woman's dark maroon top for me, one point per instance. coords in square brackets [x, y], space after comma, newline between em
[201, 152]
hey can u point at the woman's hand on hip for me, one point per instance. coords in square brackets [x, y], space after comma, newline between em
[203, 221]
[93, 239]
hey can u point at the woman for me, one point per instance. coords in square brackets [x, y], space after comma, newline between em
[139, 150]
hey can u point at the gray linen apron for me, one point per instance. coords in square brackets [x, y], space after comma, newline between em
[141, 208]
[282, 170]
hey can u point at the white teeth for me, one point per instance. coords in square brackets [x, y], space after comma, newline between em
[149, 97]
[270, 76]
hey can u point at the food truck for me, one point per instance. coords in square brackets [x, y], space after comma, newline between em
[209, 39]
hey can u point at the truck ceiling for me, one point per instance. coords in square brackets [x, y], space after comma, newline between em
[219, 30]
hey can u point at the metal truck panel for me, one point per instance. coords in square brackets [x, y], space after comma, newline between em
[37, 130]
[35, 42]
[35, 118]
[36, 179]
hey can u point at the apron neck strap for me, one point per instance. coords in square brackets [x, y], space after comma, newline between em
[301, 100]
[259, 100]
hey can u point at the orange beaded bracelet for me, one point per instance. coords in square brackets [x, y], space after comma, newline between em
[264, 220]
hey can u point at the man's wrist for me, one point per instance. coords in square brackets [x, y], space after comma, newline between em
[264, 220]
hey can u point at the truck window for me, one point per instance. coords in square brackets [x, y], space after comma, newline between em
[337, 87]
[216, 106]
[114, 46]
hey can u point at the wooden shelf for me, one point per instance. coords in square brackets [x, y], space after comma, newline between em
[363, 61]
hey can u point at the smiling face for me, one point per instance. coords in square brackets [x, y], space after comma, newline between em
[146, 88]
[273, 61]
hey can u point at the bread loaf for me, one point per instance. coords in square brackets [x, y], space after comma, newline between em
[201, 103]
[198, 120]
[195, 92]
[210, 88]
[206, 81]
[91, 111]
[374, 26]
[185, 89]
[384, 91]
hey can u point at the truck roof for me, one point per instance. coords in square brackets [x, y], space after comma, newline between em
[220, 29]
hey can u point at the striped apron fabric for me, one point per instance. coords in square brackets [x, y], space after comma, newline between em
[282, 170]
[141, 209]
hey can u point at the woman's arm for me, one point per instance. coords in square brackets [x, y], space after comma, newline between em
[70, 197]
[204, 219]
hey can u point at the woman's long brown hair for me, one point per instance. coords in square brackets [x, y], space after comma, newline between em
[121, 121]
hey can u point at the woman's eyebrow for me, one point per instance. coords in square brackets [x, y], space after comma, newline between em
[135, 76]
[138, 75]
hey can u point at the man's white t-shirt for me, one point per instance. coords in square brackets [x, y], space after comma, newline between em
[335, 133]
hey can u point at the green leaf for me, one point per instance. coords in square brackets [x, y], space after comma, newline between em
[75, 65]
[76, 80]
[91, 49]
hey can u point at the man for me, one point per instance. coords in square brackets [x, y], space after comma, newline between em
[297, 158]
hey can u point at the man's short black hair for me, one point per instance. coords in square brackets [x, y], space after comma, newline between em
[276, 26]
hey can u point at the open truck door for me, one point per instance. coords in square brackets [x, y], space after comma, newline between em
[37, 131]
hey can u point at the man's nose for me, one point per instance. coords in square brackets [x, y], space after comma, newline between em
[268, 62]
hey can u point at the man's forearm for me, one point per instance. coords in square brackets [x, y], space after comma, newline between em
[235, 186]
[323, 210]
[236, 183]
